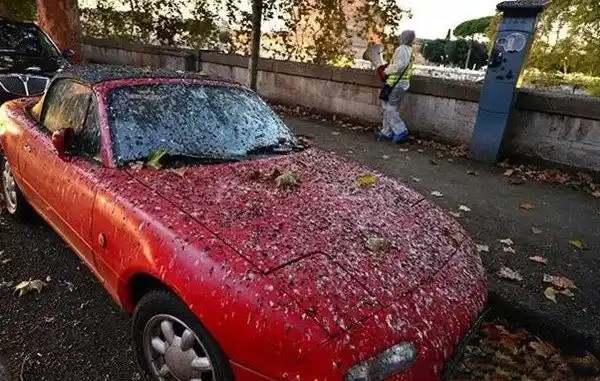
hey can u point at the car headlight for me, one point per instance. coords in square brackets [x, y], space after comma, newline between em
[387, 363]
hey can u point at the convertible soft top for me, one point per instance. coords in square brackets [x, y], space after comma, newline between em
[96, 73]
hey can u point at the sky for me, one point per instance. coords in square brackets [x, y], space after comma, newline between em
[432, 18]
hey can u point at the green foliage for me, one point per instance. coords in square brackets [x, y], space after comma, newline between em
[23, 10]
[576, 80]
[152, 21]
[569, 38]
[455, 52]
[473, 28]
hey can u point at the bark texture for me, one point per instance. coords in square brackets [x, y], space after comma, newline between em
[60, 19]
[255, 47]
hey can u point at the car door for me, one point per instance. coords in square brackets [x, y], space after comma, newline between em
[66, 183]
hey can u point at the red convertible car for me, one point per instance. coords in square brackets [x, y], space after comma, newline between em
[241, 254]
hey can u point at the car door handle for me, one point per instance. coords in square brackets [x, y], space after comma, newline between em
[27, 148]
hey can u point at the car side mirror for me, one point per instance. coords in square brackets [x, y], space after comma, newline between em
[68, 53]
[61, 140]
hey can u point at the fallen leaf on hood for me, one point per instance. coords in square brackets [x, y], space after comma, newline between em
[539, 259]
[464, 208]
[27, 286]
[288, 181]
[179, 171]
[377, 245]
[482, 248]
[437, 194]
[506, 241]
[510, 274]
[536, 230]
[455, 214]
[155, 158]
[559, 281]
[136, 166]
[365, 181]
[577, 243]
[543, 348]
[527, 206]
[508, 249]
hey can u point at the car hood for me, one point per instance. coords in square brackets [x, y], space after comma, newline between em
[348, 244]
[22, 64]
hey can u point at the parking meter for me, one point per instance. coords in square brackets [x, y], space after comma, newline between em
[498, 94]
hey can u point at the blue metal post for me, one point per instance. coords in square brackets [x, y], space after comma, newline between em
[513, 40]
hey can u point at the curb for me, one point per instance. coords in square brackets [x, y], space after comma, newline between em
[566, 337]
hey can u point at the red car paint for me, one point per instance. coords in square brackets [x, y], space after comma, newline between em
[283, 279]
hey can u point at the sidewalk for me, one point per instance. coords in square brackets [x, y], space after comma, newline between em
[551, 216]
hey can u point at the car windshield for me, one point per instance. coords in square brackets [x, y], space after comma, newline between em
[25, 39]
[192, 120]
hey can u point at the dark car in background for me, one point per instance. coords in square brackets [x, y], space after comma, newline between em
[28, 59]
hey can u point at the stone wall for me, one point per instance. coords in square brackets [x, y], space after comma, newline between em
[554, 127]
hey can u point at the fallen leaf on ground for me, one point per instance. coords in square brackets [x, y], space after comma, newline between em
[288, 180]
[509, 172]
[404, 150]
[420, 150]
[464, 208]
[335, 133]
[577, 243]
[550, 294]
[27, 286]
[385, 157]
[506, 241]
[527, 206]
[539, 259]
[585, 365]
[543, 348]
[482, 248]
[510, 274]
[508, 249]
[455, 214]
[437, 194]
[516, 180]
[365, 181]
[433, 162]
[559, 281]
[595, 194]
[416, 179]
[536, 230]
[472, 173]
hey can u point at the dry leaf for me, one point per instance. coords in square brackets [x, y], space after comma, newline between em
[560, 282]
[385, 157]
[464, 208]
[472, 173]
[510, 274]
[455, 214]
[550, 294]
[527, 206]
[506, 241]
[416, 179]
[365, 181]
[179, 171]
[437, 194]
[482, 248]
[404, 150]
[508, 249]
[288, 181]
[536, 230]
[27, 286]
[543, 348]
[377, 245]
[577, 243]
[595, 194]
[509, 172]
[539, 259]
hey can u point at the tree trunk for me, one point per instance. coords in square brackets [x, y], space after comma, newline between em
[60, 19]
[255, 47]
[469, 54]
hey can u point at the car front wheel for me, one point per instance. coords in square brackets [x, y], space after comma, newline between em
[171, 344]
[14, 201]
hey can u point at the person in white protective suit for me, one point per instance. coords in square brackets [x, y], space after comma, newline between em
[397, 81]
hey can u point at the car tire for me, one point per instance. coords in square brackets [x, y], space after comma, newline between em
[161, 350]
[12, 198]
